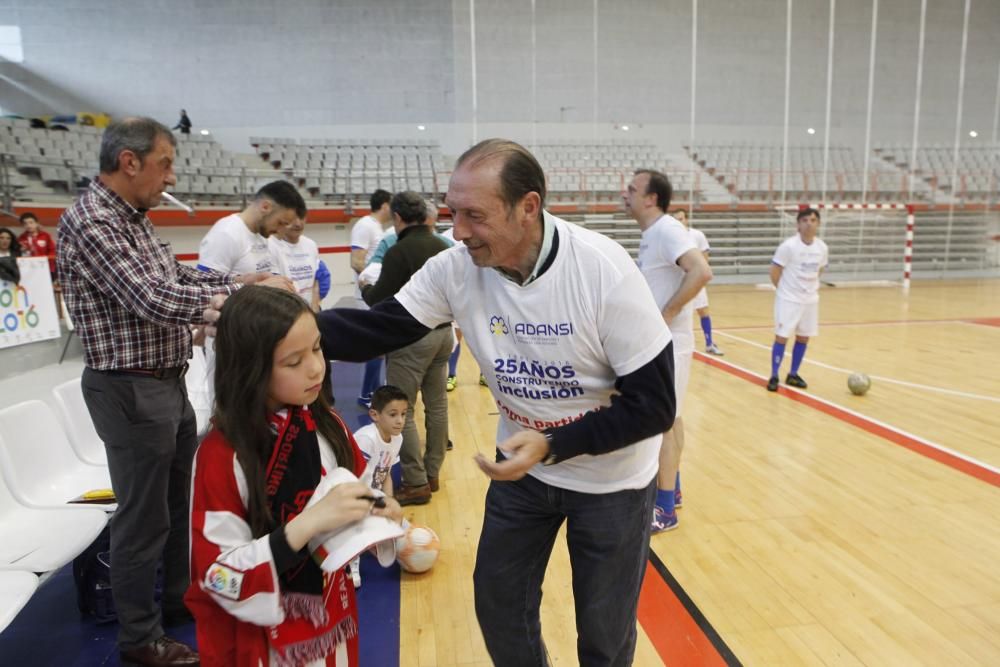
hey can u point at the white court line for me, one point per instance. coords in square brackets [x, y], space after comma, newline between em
[862, 417]
[859, 325]
[881, 378]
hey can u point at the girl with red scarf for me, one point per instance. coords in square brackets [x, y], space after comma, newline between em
[258, 596]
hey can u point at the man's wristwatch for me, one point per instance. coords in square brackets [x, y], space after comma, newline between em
[550, 458]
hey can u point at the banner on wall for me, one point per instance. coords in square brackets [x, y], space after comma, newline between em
[28, 309]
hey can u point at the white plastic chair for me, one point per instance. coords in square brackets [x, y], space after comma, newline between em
[198, 381]
[75, 416]
[43, 540]
[16, 588]
[37, 461]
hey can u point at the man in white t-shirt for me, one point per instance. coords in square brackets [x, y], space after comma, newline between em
[700, 301]
[296, 256]
[580, 365]
[366, 234]
[237, 243]
[368, 231]
[675, 270]
[795, 271]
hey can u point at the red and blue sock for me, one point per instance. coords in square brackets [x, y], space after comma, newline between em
[665, 500]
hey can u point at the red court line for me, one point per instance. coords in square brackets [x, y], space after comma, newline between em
[987, 321]
[875, 428]
[670, 626]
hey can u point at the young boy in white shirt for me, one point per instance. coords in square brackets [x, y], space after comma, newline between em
[795, 271]
[380, 442]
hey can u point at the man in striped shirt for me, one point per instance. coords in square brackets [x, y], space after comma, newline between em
[133, 305]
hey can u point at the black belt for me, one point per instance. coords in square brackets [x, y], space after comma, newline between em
[158, 373]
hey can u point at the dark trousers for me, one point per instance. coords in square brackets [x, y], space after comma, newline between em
[149, 431]
[423, 367]
[608, 539]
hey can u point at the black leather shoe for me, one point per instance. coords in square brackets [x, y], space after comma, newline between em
[793, 380]
[772, 384]
[164, 652]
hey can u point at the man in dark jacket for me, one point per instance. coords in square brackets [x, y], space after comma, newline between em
[422, 365]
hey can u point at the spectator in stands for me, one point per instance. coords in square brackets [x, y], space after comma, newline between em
[700, 302]
[365, 237]
[9, 247]
[296, 256]
[675, 270]
[422, 365]
[184, 124]
[237, 243]
[36, 242]
[132, 304]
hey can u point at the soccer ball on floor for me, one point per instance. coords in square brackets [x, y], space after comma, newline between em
[417, 550]
[859, 384]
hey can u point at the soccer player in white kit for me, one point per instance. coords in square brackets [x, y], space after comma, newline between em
[795, 271]
[675, 270]
[700, 301]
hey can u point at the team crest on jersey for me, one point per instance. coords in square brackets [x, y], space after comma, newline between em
[224, 581]
[498, 326]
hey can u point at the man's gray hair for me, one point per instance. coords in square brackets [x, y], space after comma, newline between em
[432, 210]
[136, 134]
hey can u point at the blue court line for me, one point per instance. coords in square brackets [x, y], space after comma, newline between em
[379, 595]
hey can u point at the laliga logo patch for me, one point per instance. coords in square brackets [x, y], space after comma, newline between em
[498, 327]
[224, 581]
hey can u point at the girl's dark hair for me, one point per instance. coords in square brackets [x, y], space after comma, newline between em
[15, 247]
[253, 321]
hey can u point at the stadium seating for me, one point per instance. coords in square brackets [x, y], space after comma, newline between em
[744, 243]
[594, 171]
[977, 175]
[753, 172]
[338, 170]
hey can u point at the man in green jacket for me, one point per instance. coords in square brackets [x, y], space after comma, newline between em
[419, 366]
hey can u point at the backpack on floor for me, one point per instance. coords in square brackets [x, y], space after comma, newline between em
[92, 574]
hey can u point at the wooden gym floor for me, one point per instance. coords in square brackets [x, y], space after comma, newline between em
[819, 528]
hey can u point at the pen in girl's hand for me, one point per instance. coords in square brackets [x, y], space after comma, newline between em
[377, 502]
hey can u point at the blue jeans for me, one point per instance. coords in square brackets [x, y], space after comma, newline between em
[608, 539]
[372, 379]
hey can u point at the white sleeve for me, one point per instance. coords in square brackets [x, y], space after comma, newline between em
[631, 327]
[701, 241]
[361, 235]
[783, 255]
[218, 251]
[425, 296]
[675, 241]
[365, 442]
